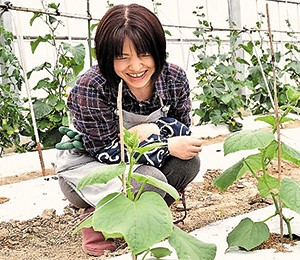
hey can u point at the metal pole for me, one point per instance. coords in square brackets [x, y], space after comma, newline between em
[234, 10]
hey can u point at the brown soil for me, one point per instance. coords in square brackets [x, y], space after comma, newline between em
[49, 236]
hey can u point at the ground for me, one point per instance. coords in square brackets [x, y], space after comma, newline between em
[49, 236]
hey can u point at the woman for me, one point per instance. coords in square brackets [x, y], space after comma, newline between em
[130, 45]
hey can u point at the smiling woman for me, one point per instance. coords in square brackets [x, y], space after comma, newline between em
[130, 45]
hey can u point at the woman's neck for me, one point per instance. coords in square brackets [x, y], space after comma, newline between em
[143, 93]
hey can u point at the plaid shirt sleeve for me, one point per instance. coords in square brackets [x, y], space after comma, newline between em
[93, 112]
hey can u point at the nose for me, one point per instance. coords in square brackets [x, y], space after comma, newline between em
[136, 64]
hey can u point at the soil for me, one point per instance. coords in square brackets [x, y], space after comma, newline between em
[49, 236]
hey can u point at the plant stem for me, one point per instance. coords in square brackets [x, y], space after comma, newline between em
[277, 119]
[121, 132]
[140, 191]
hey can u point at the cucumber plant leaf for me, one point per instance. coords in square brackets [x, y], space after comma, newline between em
[290, 154]
[157, 183]
[160, 252]
[236, 171]
[102, 174]
[267, 183]
[247, 140]
[248, 234]
[140, 225]
[289, 193]
[188, 247]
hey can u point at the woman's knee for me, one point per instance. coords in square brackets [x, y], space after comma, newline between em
[71, 194]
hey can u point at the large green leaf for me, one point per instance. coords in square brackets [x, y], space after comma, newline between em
[142, 223]
[157, 183]
[267, 183]
[290, 154]
[289, 192]
[247, 140]
[190, 248]
[236, 171]
[248, 234]
[102, 174]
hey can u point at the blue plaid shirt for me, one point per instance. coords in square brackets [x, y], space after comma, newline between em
[93, 102]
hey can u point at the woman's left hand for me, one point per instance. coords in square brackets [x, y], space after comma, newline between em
[145, 130]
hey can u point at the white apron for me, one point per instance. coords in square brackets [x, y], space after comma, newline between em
[73, 165]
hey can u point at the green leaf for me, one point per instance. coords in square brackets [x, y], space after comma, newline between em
[247, 140]
[216, 117]
[248, 48]
[248, 234]
[168, 32]
[157, 183]
[226, 98]
[208, 61]
[147, 148]
[289, 193]
[292, 95]
[65, 121]
[232, 174]
[52, 19]
[41, 109]
[60, 105]
[39, 39]
[46, 65]
[131, 140]
[160, 252]
[290, 154]
[222, 69]
[267, 183]
[190, 248]
[269, 119]
[141, 225]
[77, 51]
[214, 90]
[242, 61]
[102, 174]
[35, 15]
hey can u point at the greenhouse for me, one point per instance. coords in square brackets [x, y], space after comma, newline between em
[150, 129]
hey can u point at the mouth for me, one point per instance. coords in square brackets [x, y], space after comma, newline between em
[138, 75]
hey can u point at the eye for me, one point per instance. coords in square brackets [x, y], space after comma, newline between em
[120, 58]
[144, 55]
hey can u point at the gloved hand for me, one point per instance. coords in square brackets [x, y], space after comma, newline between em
[75, 140]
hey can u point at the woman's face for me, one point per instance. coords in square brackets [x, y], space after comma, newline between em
[135, 70]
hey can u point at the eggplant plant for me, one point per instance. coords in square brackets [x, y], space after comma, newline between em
[142, 219]
[249, 234]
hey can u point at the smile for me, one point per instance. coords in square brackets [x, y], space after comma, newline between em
[137, 75]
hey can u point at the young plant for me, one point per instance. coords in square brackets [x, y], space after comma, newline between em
[249, 234]
[51, 111]
[142, 219]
